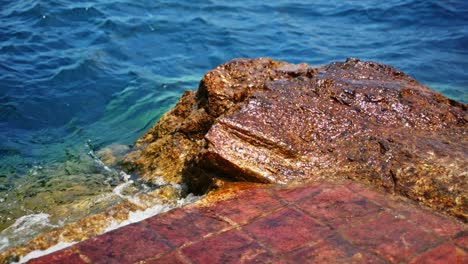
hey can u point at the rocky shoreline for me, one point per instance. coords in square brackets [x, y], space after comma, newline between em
[272, 122]
[268, 121]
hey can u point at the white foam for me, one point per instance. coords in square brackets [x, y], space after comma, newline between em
[159, 181]
[118, 191]
[39, 253]
[26, 227]
[23, 229]
[124, 175]
[27, 221]
[137, 216]
[4, 243]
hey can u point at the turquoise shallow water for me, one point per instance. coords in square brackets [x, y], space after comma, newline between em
[81, 75]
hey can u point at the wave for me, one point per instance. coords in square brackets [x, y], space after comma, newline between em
[24, 9]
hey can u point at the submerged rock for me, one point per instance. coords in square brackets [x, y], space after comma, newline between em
[268, 121]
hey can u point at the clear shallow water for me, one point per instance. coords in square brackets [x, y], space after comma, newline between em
[80, 75]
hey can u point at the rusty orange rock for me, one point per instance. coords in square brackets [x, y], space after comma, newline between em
[269, 121]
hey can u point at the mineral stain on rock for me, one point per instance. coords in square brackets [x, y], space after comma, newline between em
[268, 121]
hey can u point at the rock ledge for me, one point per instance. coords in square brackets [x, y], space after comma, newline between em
[269, 121]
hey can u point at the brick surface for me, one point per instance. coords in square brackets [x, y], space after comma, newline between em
[171, 258]
[125, 245]
[333, 250]
[242, 208]
[296, 194]
[230, 247]
[379, 197]
[382, 198]
[286, 230]
[442, 226]
[180, 226]
[71, 257]
[392, 238]
[339, 206]
[318, 223]
[461, 239]
[446, 253]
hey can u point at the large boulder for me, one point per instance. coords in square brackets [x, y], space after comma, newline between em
[269, 121]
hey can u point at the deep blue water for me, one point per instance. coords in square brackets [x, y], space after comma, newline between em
[104, 71]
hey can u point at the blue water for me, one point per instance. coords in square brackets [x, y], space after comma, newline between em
[81, 73]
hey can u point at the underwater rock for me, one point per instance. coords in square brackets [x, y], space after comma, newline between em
[110, 155]
[269, 121]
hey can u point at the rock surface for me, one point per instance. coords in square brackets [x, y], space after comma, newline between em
[269, 121]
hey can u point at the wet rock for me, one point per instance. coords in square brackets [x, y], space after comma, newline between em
[268, 121]
[172, 148]
[110, 155]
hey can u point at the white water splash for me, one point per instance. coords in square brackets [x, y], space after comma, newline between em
[133, 217]
[39, 253]
[24, 229]
[138, 216]
[30, 223]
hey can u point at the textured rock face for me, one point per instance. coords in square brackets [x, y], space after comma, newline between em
[173, 148]
[269, 121]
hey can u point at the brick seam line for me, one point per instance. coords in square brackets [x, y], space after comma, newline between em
[275, 189]
[401, 200]
[309, 244]
[176, 251]
[284, 204]
[238, 226]
[295, 204]
[394, 211]
[186, 259]
[292, 207]
[342, 233]
[87, 259]
[232, 223]
[267, 212]
[384, 209]
[188, 243]
[146, 226]
[84, 257]
[165, 239]
[279, 256]
[336, 231]
[291, 204]
[261, 215]
[460, 234]
[75, 248]
[430, 246]
[258, 242]
[269, 249]
[416, 255]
